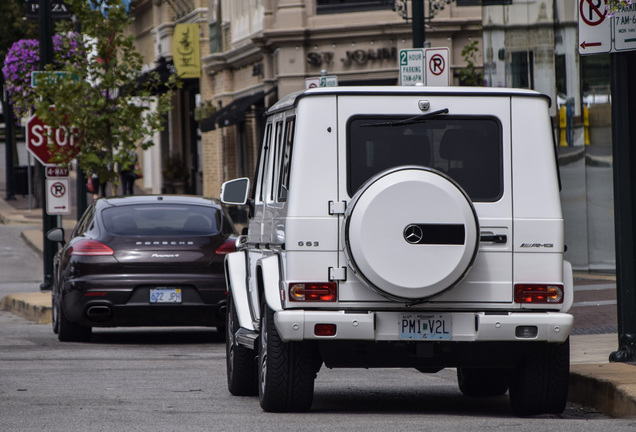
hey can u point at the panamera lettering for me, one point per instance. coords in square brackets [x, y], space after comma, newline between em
[155, 255]
[537, 245]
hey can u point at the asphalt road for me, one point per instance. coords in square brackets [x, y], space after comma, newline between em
[174, 379]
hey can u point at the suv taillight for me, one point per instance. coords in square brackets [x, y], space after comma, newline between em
[539, 293]
[313, 291]
[90, 248]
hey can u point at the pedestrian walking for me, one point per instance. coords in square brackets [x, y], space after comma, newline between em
[99, 188]
[128, 174]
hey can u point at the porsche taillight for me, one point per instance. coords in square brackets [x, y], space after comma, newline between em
[227, 247]
[90, 248]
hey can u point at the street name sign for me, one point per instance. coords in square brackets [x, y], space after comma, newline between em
[39, 76]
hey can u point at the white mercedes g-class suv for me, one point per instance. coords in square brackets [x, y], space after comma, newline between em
[402, 227]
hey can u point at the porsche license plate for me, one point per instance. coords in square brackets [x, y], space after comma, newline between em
[165, 295]
[425, 326]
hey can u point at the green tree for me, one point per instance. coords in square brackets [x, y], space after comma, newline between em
[470, 75]
[102, 96]
[14, 26]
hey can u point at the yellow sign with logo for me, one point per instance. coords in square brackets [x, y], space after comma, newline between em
[186, 54]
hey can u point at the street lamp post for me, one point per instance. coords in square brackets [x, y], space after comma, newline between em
[418, 18]
[48, 222]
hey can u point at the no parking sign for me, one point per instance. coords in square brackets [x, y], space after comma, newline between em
[437, 67]
[57, 196]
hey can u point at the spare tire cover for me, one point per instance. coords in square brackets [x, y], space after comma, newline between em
[410, 233]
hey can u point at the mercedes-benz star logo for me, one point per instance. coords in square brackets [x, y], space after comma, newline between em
[413, 234]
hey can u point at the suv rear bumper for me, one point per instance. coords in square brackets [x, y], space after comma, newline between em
[297, 325]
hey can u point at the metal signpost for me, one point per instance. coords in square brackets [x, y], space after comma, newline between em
[600, 33]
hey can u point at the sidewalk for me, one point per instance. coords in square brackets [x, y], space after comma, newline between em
[594, 382]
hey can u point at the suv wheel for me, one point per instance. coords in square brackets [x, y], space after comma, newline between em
[286, 371]
[410, 233]
[540, 382]
[482, 382]
[241, 364]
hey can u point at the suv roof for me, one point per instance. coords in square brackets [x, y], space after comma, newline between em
[292, 99]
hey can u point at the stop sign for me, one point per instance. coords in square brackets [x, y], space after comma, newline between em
[44, 142]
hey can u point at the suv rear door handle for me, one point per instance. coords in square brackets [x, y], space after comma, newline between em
[494, 238]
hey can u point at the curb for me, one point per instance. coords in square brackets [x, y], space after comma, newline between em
[35, 307]
[609, 388]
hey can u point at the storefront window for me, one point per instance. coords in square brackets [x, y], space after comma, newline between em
[341, 6]
[522, 69]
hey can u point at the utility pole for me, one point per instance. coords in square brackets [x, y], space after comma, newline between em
[48, 222]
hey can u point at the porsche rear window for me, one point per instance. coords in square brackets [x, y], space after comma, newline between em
[466, 148]
[164, 220]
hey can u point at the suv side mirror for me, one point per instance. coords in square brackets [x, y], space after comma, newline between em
[235, 191]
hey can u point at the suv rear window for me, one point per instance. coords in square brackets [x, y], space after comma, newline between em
[467, 149]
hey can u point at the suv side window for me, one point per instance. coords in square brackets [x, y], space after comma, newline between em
[262, 168]
[274, 161]
[285, 159]
[468, 149]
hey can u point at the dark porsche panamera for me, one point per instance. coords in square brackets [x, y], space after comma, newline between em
[142, 260]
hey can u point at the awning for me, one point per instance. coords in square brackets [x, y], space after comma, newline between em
[163, 70]
[235, 112]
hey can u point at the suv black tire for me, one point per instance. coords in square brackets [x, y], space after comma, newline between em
[286, 371]
[539, 385]
[482, 382]
[240, 361]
